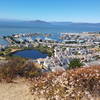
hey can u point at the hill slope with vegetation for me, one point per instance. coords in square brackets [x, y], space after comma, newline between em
[75, 84]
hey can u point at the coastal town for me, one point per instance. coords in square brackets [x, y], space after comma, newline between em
[49, 49]
[68, 46]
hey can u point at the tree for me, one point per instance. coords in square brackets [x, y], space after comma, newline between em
[75, 63]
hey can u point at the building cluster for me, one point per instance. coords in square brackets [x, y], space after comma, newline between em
[71, 46]
[2, 47]
[61, 58]
[58, 61]
[81, 38]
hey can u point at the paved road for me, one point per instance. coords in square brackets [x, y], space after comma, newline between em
[62, 44]
[93, 63]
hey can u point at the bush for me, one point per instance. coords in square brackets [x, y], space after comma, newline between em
[75, 84]
[11, 69]
[18, 67]
[30, 70]
[75, 63]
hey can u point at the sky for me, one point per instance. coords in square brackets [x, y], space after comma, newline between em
[51, 10]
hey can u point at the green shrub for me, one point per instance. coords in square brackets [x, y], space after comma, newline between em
[75, 63]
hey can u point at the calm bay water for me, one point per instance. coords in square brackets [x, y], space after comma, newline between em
[9, 31]
[3, 42]
[32, 54]
[4, 31]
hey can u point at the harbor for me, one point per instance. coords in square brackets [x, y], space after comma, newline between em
[60, 51]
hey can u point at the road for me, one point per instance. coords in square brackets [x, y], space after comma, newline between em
[93, 63]
[72, 45]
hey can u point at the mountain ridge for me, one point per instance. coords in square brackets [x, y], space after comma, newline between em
[40, 23]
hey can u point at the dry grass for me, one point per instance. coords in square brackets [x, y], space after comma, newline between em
[18, 67]
[76, 84]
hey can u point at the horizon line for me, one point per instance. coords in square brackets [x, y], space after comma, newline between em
[5, 19]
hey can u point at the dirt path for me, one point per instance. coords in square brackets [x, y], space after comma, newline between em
[15, 91]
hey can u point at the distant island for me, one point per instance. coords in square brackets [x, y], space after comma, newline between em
[40, 23]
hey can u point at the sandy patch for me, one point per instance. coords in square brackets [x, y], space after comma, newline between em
[16, 91]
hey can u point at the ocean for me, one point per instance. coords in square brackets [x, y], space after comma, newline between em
[4, 31]
[9, 30]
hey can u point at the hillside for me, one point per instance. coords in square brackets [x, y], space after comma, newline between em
[75, 84]
[22, 80]
[23, 24]
[18, 90]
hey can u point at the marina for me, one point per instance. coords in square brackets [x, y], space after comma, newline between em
[57, 50]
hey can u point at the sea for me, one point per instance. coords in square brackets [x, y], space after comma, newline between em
[5, 31]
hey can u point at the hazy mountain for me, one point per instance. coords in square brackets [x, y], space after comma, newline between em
[28, 24]
[39, 23]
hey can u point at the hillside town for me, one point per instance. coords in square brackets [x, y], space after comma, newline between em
[84, 46]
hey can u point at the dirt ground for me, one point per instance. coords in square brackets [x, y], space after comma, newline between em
[19, 90]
